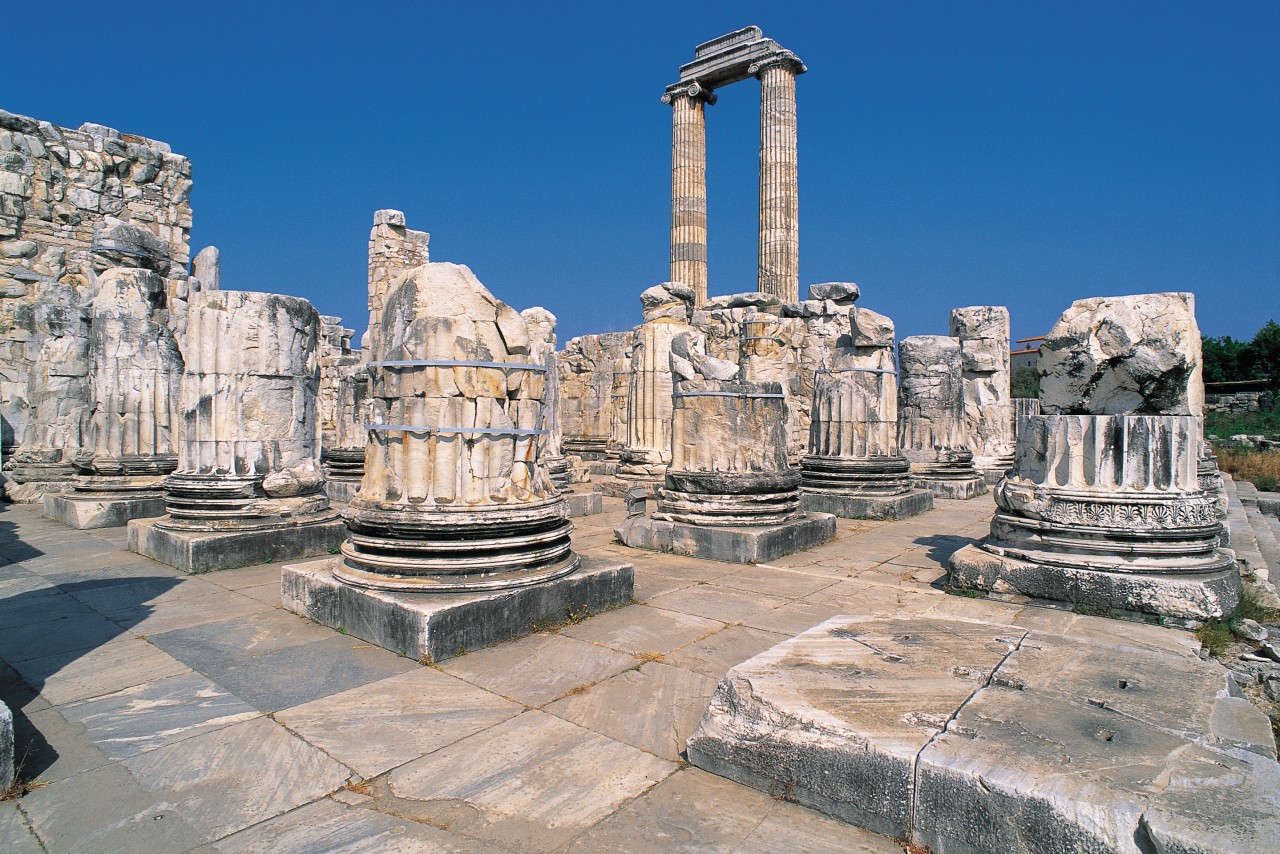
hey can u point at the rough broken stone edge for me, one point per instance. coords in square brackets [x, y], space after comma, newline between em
[972, 568]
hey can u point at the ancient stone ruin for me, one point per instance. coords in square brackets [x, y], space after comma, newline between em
[59, 187]
[854, 468]
[644, 459]
[1104, 505]
[931, 417]
[248, 485]
[983, 331]
[129, 442]
[456, 499]
[718, 63]
[729, 491]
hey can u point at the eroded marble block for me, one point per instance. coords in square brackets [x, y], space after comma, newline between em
[983, 332]
[931, 425]
[249, 448]
[456, 496]
[1137, 355]
[853, 434]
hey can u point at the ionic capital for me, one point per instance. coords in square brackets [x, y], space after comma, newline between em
[688, 89]
[783, 58]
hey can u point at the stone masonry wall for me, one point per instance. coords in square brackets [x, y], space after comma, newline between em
[56, 185]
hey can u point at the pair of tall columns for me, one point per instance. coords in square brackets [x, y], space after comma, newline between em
[779, 259]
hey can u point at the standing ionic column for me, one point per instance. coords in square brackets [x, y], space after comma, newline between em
[779, 182]
[689, 185]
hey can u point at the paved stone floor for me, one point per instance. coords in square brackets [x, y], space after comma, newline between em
[163, 712]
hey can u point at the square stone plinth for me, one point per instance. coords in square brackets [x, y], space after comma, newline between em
[962, 488]
[971, 736]
[341, 491]
[436, 626]
[889, 508]
[585, 503]
[729, 544]
[1187, 596]
[202, 551]
[82, 511]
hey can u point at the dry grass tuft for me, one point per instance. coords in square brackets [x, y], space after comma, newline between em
[1261, 468]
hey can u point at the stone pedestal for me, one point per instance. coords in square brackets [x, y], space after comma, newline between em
[729, 544]
[248, 487]
[931, 425]
[729, 456]
[854, 468]
[105, 509]
[432, 627]
[1107, 511]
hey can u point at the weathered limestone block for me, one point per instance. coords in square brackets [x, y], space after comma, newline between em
[590, 417]
[542, 350]
[728, 446]
[789, 344]
[1136, 355]
[342, 409]
[983, 331]
[969, 736]
[58, 188]
[393, 249]
[1110, 508]
[206, 267]
[931, 426]
[1107, 510]
[456, 494]
[129, 441]
[648, 450]
[248, 484]
[59, 390]
[854, 467]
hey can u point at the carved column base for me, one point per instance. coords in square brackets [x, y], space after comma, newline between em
[729, 499]
[220, 503]
[560, 470]
[28, 481]
[950, 475]
[454, 550]
[587, 447]
[878, 475]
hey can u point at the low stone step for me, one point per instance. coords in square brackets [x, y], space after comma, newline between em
[1243, 540]
[1268, 545]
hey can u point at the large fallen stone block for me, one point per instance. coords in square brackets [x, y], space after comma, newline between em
[966, 736]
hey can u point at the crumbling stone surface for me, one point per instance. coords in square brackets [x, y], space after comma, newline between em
[962, 735]
[62, 193]
[983, 332]
[668, 300]
[593, 371]
[1130, 355]
[393, 249]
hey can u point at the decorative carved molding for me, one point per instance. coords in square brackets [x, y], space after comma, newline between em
[692, 89]
[783, 58]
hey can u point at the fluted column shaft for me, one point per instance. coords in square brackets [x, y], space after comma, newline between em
[689, 188]
[779, 182]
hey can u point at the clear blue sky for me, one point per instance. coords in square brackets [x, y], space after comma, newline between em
[1024, 154]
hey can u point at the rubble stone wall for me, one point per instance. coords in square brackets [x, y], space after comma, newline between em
[56, 185]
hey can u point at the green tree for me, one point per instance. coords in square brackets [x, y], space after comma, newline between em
[1263, 354]
[1223, 359]
[1024, 382]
